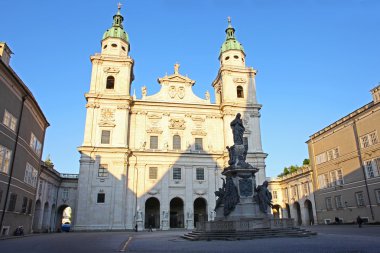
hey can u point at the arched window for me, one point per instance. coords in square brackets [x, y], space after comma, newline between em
[176, 142]
[110, 82]
[239, 92]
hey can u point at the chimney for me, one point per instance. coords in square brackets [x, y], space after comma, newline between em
[5, 53]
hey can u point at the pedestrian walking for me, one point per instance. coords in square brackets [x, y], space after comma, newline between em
[359, 220]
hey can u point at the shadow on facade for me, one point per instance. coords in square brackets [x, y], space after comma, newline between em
[342, 199]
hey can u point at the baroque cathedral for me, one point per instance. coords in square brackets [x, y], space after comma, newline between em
[156, 161]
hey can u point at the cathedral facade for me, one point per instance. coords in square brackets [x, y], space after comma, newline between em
[155, 162]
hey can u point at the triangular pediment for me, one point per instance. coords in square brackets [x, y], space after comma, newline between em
[176, 78]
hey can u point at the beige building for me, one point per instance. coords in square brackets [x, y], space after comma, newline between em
[156, 161]
[292, 196]
[56, 195]
[345, 158]
[22, 134]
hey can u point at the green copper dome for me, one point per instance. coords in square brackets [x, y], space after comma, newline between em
[117, 31]
[231, 43]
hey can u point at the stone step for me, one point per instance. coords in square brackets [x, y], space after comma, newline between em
[247, 235]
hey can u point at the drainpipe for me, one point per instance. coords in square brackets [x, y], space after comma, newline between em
[12, 161]
[363, 167]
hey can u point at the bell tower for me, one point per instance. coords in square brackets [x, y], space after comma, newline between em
[235, 92]
[111, 78]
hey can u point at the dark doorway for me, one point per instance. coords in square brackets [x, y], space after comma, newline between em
[176, 213]
[298, 210]
[288, 211]
[309, 212]
[152, 213]
[37, 216]
[200, 210]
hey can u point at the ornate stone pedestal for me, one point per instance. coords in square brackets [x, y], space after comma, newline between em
[241, 208]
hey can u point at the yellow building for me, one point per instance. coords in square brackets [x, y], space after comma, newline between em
[345, 159]
[292, 196]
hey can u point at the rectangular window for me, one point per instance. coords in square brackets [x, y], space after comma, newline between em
[200, 174]
[377, 194]
[359, 198]
[328, 203]
[12, 202]
[365, 141]
[153, 142]
[101, 198]
[35, 144]
[177, 174]
[336, 153]
[274, 194]
[9, 120]
[153, 172]
[176, 142]
[369, 169]
[106, 137]
[305, 188]
[321, 182]
[326, 179]
[5, 157]
[330, 155]
[30, 205]
[373, 138]
[198, 144]
[65, 194]
[294, 191]
[377, 162]
[338, 201]
[339, 174]
[321, 158]
[24, 204]
[103, 170]
[30, 176]
[333, 178]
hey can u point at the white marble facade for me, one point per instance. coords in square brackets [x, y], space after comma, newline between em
[156, 161]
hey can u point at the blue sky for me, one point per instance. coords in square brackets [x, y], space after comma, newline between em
[316, 59]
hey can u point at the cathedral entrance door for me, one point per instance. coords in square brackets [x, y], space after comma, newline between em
[152, 213]
[176, 213]
[200, 210]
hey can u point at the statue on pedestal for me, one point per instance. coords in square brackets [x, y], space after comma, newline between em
[237, 129]
[264, 197]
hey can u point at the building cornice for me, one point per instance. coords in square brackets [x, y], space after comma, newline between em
[353, 115]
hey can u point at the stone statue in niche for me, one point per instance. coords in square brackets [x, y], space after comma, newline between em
[263, 197]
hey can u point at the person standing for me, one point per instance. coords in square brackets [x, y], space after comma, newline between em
[359, 220]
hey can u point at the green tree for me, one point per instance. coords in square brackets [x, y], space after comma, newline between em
[286, 171]
[293, 168]
[306, 162]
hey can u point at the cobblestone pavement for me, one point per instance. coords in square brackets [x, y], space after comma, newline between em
[342, 238]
